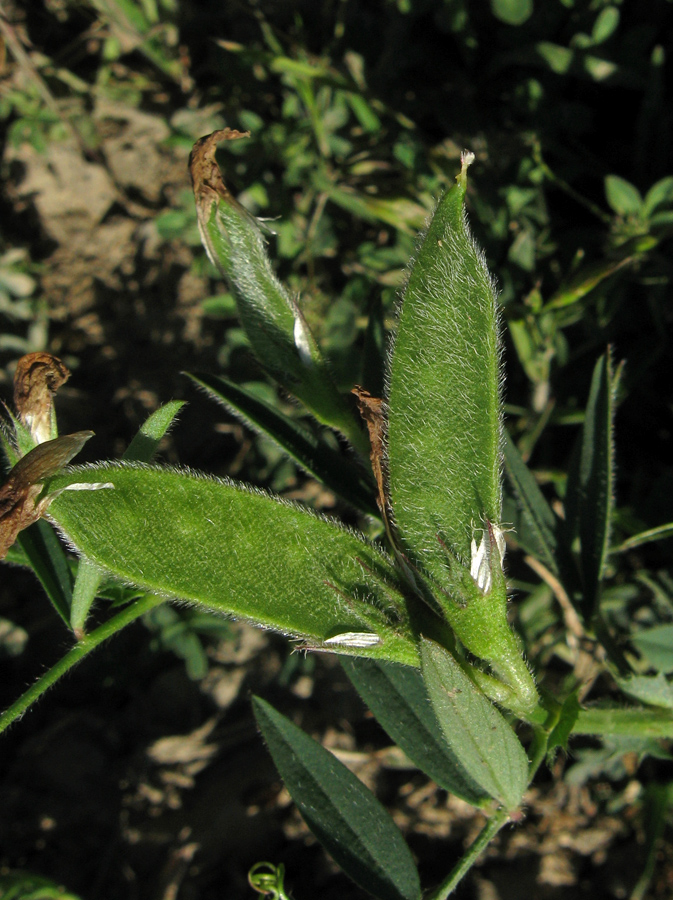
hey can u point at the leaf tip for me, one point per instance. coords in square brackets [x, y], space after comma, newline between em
[466, 159]
[203, 168]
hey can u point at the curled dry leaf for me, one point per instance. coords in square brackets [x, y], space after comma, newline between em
[209, 187]
[206, 177]
[20, 500]
[373, 412]
[38, 376]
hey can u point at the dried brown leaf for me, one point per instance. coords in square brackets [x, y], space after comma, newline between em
[372, 410]
[38, 376]
[207, 180]
[20, 501]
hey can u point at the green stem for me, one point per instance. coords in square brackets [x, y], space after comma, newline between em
[612, 651]
[79, 651]
[489, 831]
[493, 826]
[504, 695]
[635, 722]
[564, 186]
[540, 743]
[537, 751]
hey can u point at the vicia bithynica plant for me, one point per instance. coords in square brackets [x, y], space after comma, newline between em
[420, 613]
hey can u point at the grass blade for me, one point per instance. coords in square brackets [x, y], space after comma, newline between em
[536, 524]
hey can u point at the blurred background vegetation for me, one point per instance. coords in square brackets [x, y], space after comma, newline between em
[358, 112]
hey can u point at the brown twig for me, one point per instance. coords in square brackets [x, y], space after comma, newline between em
[586, 667]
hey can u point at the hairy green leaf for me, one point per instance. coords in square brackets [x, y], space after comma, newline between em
[146, 442]
[345, 817]
[444, 396]
[512, 12]
[653, 689]
[141, 449]
[659, 194]
[660, 533]
[478, 734]
[49, 562]
[240, 552]
[399, 700]
[563, 728]
[535, 525]
[656, 645]
[585, 280]
[18, 885]
[272, 319]
[624, 198]
[589, 493]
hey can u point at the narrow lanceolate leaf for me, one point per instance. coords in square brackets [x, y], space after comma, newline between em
[141, 449]
[150, 434]
[535, 525]
[401, 213]
[399, 700]
[346, 818]
[444, 396]
[584, 281]
[478, 734]
[46, 557]
[660, 533]
[239, 552]
[589, 494]
[345, 477]
[272, 319]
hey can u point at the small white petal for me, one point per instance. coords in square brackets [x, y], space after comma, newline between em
[355, 639]
[38, 427]
[301, 341]
[480, 568]
[89, 486]
[499, 535]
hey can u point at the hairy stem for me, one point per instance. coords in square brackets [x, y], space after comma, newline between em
[636, 722]
[79, 651]
[487, 834]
